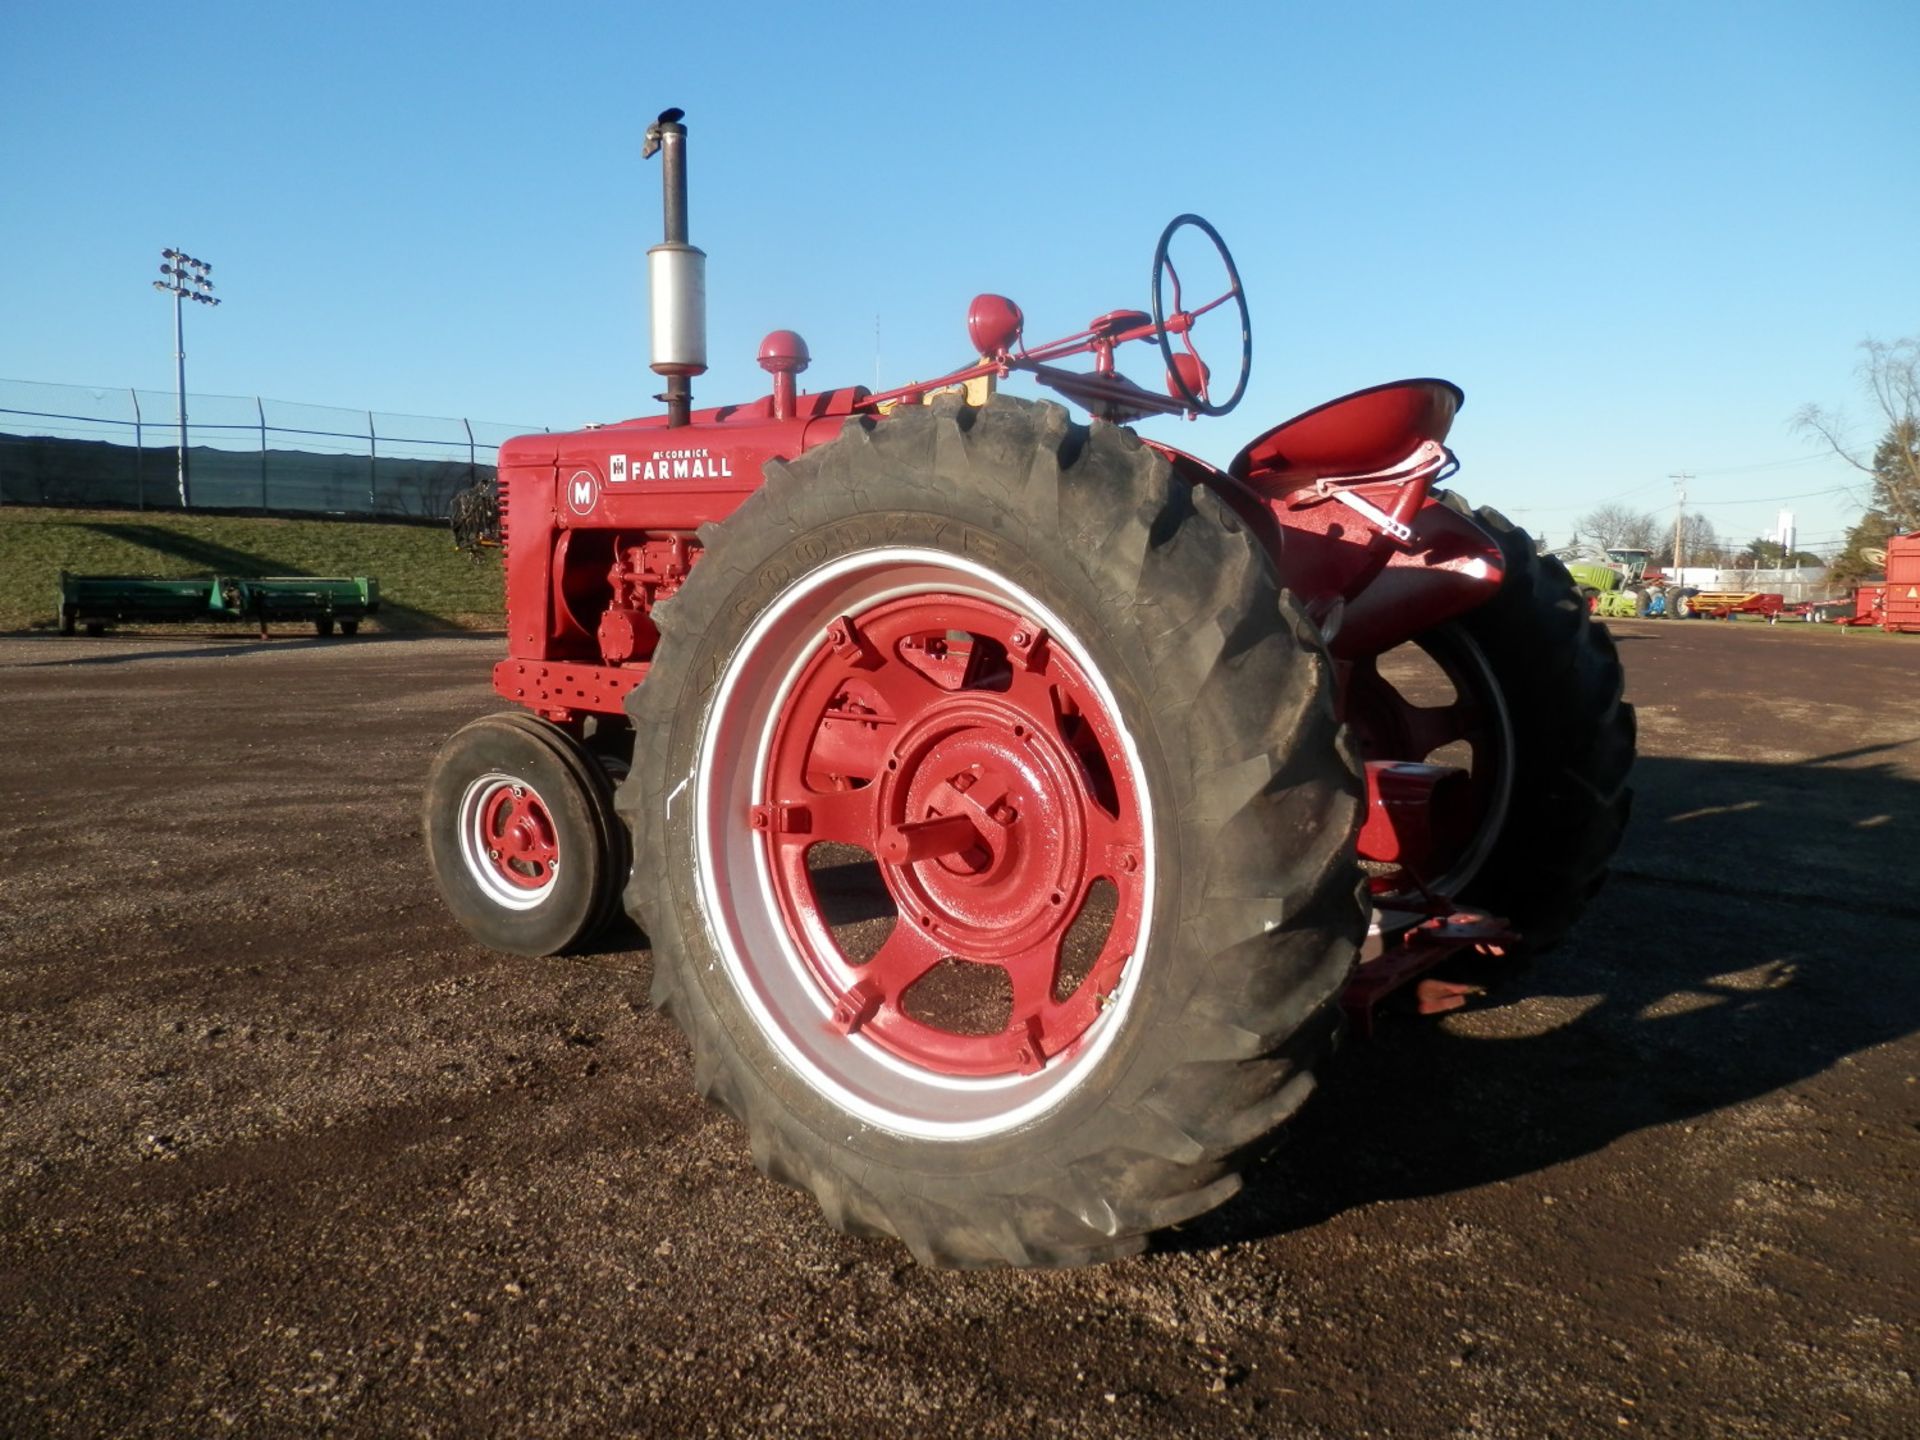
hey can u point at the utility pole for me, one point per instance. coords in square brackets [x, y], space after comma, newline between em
[186, 279]
[1679, 514]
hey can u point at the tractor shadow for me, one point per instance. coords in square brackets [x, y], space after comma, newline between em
[1760, 926]
[146, 646]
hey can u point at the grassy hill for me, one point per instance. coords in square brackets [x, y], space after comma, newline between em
[425, 584]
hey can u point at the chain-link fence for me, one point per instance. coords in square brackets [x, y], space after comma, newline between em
[1807, 582]
[70, 445]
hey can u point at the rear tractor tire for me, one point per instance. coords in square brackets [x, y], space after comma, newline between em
[1050, 702]
[1558, 679]
[522, 836]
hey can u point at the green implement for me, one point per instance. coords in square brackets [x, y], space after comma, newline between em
[326, 601]
[97, 601]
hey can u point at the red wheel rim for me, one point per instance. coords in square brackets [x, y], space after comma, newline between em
[1390, 726]
[924, 710]
[950, 739]
[508, 840]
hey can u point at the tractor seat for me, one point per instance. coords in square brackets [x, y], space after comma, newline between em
[1358, 434]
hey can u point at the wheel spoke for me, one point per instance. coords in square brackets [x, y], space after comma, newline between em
[1186, 339]
[1430, 727]
[802, 816]
[1198, 311]
[907, 954]
[1113, 843]
[1032, 974]
[1035, 693]
[904, 690]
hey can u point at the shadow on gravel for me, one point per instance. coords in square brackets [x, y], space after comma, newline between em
[619, 937]
[207, 647]
[1760, 926]
[225, 560]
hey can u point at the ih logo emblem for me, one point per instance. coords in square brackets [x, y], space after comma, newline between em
[616, 469]
[583, 492]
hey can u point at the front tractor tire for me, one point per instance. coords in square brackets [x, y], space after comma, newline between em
[522, 836]
[1046, 703]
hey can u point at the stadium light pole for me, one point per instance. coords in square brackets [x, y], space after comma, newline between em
[187, 279]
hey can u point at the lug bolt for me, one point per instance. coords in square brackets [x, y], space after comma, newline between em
[493, 854]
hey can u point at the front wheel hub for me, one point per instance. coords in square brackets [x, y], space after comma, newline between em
[508, 840]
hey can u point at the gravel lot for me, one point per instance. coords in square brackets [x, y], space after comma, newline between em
[282, 1152]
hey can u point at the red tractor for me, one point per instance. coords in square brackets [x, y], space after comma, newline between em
[1015, 806]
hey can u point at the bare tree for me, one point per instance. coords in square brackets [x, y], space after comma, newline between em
[1614, 525]
[1890, 376]
[1699, 542]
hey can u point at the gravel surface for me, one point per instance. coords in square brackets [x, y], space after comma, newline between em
[282, 1152]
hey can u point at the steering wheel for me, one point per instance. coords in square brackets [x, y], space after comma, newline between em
[1183, 380]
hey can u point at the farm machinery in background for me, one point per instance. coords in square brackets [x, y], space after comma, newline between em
[1015, 805]
[1623, 583]
[1891, 602]
[325, 602]
[1619, 582]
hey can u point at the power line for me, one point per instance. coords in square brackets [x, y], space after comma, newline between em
[1698, 504]
[1769, 499]
[1766, 465]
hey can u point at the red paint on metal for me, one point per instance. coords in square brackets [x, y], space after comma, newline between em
[523, 847]
[1419, 816]
[994, 324]
[552, 688]
[1900, 603]
[1357, 434]
[1386, 592]
[1389, 727]
[783, 355]
[934, 838]
[948, 737]
[1399, 954]
[1191, 371]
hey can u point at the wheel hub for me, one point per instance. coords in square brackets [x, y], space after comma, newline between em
[1004, 890]
[508, 840]
[524, 849]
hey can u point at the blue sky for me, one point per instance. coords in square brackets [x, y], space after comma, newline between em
[1638, 235]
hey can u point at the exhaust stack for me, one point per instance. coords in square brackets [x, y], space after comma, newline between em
[676, 276]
